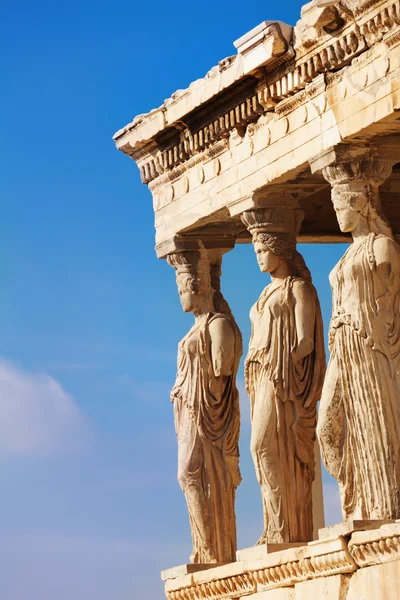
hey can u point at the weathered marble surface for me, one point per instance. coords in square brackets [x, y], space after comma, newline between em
[284, 372]
[359, 419]
[209, 150]
[328, 569]
[206, 408]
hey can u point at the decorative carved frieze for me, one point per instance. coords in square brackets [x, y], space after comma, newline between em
[309, 568]
[276, 570]
[248, 111]
[228, 588]
[375, 547]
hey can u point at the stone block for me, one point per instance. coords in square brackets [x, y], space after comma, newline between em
[329, 588]
[260, 551]
[279, 594]
[222, 572]
[326, 546]
[348, 527]
[380, 582]
[175, 572]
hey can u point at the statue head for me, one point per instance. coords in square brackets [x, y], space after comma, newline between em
[193, 279]
[355, 194]
[359, 206]
[348, 207]
[272, 249]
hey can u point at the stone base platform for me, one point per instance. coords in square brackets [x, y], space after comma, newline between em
[359, 563]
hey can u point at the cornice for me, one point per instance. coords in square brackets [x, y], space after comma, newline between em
[278, 91]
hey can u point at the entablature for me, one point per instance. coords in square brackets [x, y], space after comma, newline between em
[334, 79]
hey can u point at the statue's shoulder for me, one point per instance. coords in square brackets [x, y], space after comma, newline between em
[303, 288]
[301, 283]
[382, 251]
[222, 325]
[221, 319]
[386, 249]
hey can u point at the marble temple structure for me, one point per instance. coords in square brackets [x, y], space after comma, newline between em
[293, 139]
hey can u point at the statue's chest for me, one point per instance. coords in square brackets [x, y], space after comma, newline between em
[189, 346]
[346, 277]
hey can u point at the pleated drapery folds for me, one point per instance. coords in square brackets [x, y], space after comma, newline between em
[284, 394]
[207, 422]
[359, 423]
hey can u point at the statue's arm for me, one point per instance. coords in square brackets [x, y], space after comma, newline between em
[222, 346]
[387, 260]
[304, 312]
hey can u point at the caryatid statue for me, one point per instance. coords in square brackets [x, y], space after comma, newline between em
[359, 421]
[206, 407]
[284, 372]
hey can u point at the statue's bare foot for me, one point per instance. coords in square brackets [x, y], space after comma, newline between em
[206, 558]
[263, 539]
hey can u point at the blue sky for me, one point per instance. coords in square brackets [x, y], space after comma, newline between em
[90, 319]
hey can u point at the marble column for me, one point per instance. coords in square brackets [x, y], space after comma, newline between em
[284, 372]
[206, 406]
[359, 421]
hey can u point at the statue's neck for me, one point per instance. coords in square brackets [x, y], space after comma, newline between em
[361, 230]
[202, 310]
[284, 270]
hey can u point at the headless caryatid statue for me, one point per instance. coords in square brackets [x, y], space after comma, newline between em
[284, 372]
[206, 408]
[359, 422]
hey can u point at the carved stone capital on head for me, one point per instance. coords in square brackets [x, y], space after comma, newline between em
[185, 261]
[191, 242]
[192, 269]
[201, 269]
[355, 184]
[273, 219]
[356, 172]
[208, 359]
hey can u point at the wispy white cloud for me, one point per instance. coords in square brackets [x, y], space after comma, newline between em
[37, 416]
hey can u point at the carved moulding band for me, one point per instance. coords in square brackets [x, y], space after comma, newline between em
[230, 587]
[290, 573]
[282, 575]
[376, 547]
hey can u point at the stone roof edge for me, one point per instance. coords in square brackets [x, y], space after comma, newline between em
[221, 77]
[312, 48]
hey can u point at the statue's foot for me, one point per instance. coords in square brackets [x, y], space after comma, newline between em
[203, 558]
[263, 539]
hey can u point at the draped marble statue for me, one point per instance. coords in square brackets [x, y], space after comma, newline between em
[206, 407]
[284, 372]
[359, 422]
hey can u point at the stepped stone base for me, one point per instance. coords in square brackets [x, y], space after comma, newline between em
[358, 565]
